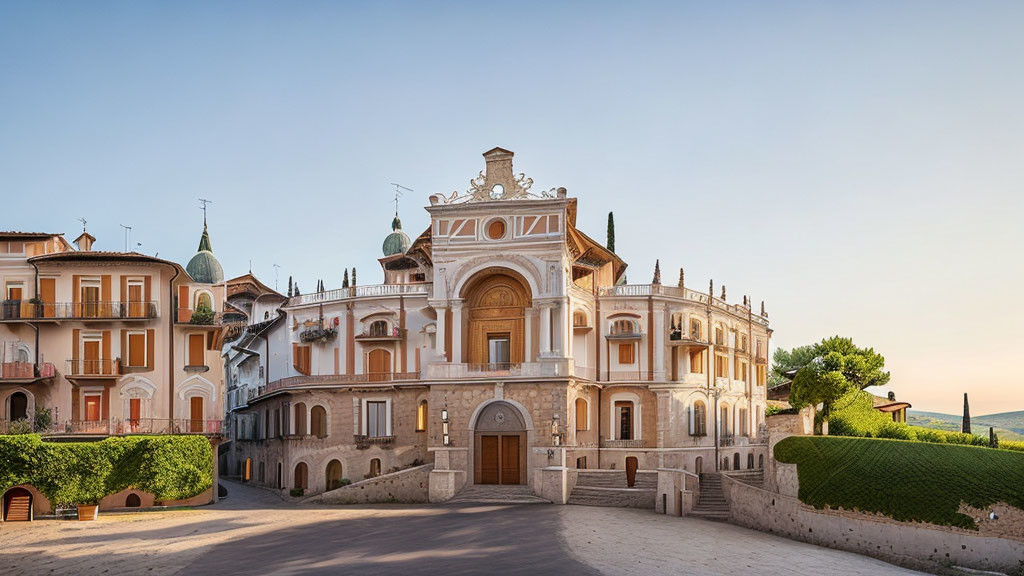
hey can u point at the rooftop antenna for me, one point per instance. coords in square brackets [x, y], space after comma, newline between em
[398, 194]
[127, 236]
[276, 268]
[204, 202]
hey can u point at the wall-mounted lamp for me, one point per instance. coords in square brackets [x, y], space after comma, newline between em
[446, 439]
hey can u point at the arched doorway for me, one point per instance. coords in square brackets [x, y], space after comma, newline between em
[301, 476]
[132, 501]
[17, 505]
[499, 445]
[334, 471]
[496, 303]
[379, 365]
[736, 461]
[18, 406]
[698, 465]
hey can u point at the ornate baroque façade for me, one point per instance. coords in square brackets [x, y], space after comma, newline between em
[503, 347]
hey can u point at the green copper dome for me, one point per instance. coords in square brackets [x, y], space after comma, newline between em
[397, 242]
[204, 266]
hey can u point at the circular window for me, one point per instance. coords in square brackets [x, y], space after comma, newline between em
[496, 229]
[497, 191]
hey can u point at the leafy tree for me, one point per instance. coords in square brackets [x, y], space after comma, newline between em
[786, 360]
[837, 367]
[611, 232]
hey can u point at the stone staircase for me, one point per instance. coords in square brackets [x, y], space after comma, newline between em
[608, 488]
[711, 504]
[751, 477]
[491, 494]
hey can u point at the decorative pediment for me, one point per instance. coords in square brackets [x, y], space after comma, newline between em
[496, 182]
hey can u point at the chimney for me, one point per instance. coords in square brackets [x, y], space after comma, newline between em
[85, 241]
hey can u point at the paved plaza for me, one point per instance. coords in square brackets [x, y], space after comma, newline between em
[254, 532]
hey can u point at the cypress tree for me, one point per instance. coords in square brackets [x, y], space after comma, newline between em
[353, 276]
[966, 427]
[291, 289]
[611, 232]
[297, 293]
[344, 281]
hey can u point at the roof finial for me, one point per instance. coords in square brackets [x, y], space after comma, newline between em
[204, 202]
[723, 291]
[396, 224]
[711, 288]
[682, 275]
[82, 220]
[657, 272]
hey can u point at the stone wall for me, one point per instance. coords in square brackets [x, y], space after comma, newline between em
[405, 486]
[677, 491]
[912, 545]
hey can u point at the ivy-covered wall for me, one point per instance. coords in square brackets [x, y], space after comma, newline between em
[71, 473]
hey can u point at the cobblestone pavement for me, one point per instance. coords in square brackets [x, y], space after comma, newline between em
[255, 532]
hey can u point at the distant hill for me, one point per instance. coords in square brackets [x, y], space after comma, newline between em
[1008, 425]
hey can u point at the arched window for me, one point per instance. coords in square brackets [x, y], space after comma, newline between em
[579, 318]
[736, 461]
[696, 329]
[582, 421]
[204, 299]
[299, 421]
[262, 476]
[421, 417]
[318, 419]
[374, 468]
[760, 461]
[623, 326]
[698, 465]
[301, 476]
[725, 463]
[700, 419]
[676, 328]
[750, 461]
[379, 328]
[334, 474]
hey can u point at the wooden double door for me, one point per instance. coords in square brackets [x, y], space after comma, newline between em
[499, 459]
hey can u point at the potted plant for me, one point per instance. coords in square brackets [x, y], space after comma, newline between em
[88, 512]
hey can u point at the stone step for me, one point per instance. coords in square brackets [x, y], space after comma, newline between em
[615, 479]
[613, 497]
[489, 494]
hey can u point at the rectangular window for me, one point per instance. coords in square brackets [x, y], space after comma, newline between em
[196, 347]
[92, 408]
[762, 375]
[724, 421]
[421, 417]
[743, 343]
[136, 306]
[90, 296]
[376, 418]
[136, 353]
[626, 355]
[624, 416]
[498, 349]
[696, 331]
[696, 361]
[301, 358]
[721, 366]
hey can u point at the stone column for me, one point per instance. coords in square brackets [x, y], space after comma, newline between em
[456, 329]
[442, 313]
[545, 329]
[528, 337]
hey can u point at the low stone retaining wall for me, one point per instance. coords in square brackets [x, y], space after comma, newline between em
[407, 486]
[912, 545]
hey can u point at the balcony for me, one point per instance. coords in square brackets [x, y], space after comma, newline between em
[332, 380]
[127, 427]
[23, 372]
[93, 368]
[14, 310]
[372, 291]
[450, 371]
[364, 442]
[633, 376]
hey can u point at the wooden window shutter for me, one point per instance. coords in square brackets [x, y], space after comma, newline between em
[124, 288]
[147, 291]
[124, 346]
[76, 284]
[195, 349]
[105, 356]
[150, 349]
[76, 338]
[184, 313]
[105, 288]
[626, 353]
[295, 356]
[137, 350]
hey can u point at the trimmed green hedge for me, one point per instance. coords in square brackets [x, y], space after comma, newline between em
[70, 473]
[908, 481]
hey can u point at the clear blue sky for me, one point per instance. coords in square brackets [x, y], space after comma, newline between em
[856, 165]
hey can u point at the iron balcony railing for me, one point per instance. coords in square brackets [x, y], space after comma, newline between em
[119, 427]
[93, 367]
[119, 310]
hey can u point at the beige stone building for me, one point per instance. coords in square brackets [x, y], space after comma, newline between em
[504, 348]
[101, 343]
